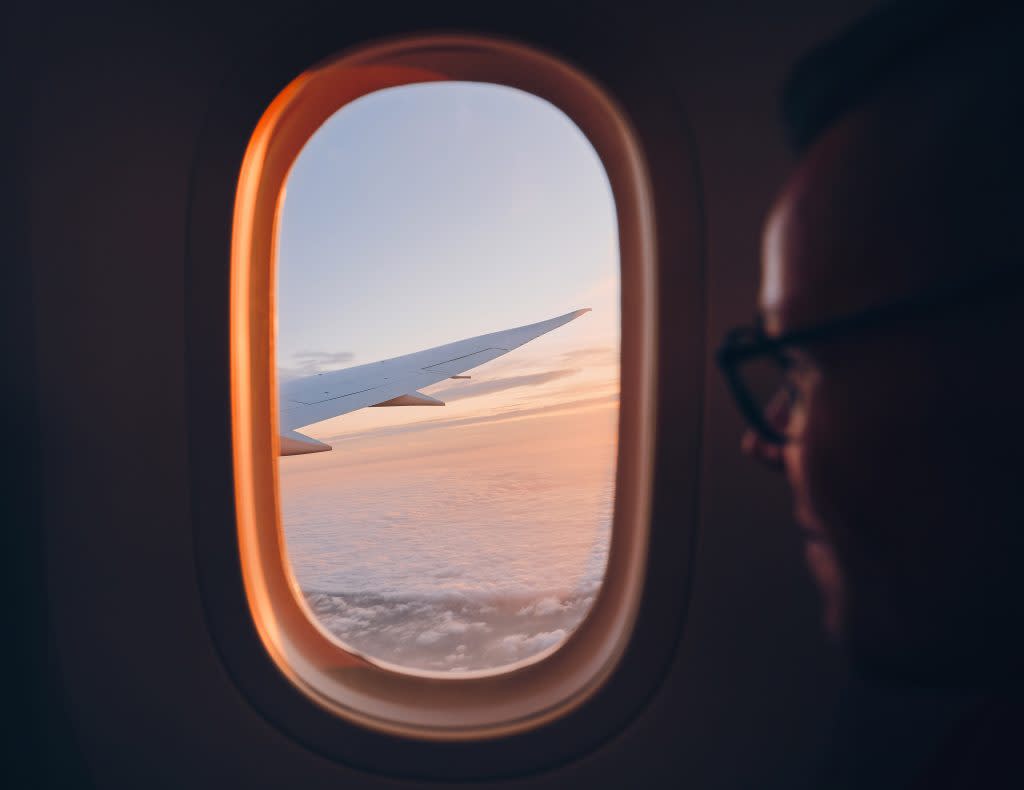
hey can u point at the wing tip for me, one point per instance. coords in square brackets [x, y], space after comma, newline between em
[581, 311]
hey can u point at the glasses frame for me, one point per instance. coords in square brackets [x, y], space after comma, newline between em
[749, 342]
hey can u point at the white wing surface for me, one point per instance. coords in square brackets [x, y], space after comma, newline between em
[391, 382]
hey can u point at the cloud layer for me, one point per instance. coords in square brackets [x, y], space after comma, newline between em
[471, 548]
[455, 634]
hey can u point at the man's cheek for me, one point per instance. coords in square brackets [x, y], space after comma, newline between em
[819, 550]
[839, 461]
[815, 472]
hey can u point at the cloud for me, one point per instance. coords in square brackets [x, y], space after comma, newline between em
[532, 643]
[460, 392]
[598, 355]
[308, 363]
[545, 606]
[453, 633]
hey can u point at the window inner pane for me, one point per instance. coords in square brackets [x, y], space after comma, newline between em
[474, 535]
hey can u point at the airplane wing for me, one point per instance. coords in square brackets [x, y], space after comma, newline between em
[391, 382]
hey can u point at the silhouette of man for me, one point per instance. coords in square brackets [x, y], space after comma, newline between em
[892, 318]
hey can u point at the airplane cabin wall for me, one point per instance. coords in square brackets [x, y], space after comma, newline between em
[119, 102]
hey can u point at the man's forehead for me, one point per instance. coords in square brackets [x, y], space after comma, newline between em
[853, 228]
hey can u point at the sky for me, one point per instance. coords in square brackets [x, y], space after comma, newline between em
[413, 217]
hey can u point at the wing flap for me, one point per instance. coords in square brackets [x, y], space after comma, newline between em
[412, 399]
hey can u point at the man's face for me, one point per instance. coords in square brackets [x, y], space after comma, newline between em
[896, 466]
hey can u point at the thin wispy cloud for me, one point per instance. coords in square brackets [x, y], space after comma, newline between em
[526, 360]
[461, 392]
[309, 363]
[600, 355]
[430, 425]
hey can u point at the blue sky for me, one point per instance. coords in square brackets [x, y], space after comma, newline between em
[427, 213]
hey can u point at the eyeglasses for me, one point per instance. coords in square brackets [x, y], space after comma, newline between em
[758, 369]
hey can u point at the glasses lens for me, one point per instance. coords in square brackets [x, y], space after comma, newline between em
[765, 380]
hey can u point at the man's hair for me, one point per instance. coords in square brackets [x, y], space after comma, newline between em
[938, 86]
[850, 69]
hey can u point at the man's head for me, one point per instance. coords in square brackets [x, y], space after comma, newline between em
[906, 436]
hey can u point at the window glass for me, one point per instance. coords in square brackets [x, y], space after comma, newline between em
[474, 535]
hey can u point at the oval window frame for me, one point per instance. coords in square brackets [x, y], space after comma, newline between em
[419, 704]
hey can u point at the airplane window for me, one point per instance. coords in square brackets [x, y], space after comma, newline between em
[448, 405]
